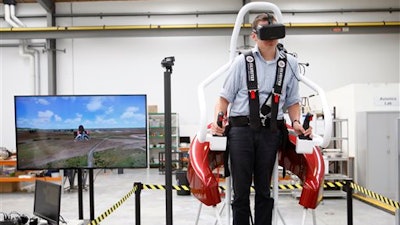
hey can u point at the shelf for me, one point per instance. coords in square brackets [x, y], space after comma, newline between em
[31, 179]
[156, 141]
[184, 149]
[161, 136]
[9, 162]
[177, 161]
[336, 176]
[13, 163]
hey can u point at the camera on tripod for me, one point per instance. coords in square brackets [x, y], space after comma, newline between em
[168, 62]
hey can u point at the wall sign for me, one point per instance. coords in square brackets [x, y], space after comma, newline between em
[387, 101]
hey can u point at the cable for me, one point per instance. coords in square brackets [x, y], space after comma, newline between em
[62, 220]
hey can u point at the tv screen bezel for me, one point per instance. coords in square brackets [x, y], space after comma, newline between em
[39, 201]
[145, 128]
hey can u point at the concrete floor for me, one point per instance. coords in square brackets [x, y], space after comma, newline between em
[110, 187]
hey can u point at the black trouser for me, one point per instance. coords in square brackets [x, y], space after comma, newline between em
[252, 153]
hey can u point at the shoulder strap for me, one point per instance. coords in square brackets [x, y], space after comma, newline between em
[252, 87]
[277, 90]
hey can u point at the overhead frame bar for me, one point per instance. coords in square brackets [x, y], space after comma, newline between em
[47, 5]
[60, 32]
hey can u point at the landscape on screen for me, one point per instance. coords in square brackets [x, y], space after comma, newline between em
[59, 132]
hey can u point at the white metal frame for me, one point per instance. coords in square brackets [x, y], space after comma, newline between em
[202, 133]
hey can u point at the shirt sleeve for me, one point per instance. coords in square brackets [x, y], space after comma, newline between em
[232, 82]
[292, 91]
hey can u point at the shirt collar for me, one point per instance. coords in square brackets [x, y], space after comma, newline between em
[256, 50]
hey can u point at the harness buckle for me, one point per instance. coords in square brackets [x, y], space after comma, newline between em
[263, 119]
[276, 96]
[253, 93]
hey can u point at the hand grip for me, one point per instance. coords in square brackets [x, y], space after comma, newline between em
[307, 119]
[306, 125]
[220, 118]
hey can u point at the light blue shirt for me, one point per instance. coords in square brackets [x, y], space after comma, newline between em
[235, 89]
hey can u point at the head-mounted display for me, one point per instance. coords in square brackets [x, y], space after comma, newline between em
[271, 31]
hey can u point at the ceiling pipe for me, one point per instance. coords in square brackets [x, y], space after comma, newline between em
[7, 16]
[24, 50]
[61, 32]
[31, 45]
[26, 53]
[195, 26]
[199, 13]
[14, 17]
[34, 61]
[227, 12]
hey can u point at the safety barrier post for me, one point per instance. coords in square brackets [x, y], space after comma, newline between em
[397, 215]
[138, 189]
[349, 197]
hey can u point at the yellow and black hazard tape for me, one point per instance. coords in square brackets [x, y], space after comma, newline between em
[113, 208]
[373, 195]
[336, 185]
[162, 187]
[327, 186]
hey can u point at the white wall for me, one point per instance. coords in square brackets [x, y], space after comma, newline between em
[363, 97]
[132, 65]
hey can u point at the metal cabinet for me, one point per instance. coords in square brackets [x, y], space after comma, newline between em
[377, 155]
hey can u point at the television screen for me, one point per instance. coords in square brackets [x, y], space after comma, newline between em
[81, 131]
[47, 201]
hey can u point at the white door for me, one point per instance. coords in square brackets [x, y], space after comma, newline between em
[382, 168]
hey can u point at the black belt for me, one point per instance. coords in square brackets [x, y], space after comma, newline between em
[242, 121]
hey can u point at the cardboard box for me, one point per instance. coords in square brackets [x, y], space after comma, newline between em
[152, 109]
[7, 187]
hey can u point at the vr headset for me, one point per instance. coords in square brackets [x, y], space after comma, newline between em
[271, 31]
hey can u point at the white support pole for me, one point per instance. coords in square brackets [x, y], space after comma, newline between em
[314, 217]
[281, 217]
[303, 221]
[220, 212]
[228, 199]
[198, 214]
[275, 192]
[201, 135]
[217, 214]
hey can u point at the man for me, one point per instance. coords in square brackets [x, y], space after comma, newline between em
[253, 145]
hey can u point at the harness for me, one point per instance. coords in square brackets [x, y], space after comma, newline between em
[259, 116]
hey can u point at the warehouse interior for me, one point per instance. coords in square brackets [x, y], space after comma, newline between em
[75, 48]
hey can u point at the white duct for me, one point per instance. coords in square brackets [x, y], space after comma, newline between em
[24, 50]
[7, 16]
[33, 56]
[14, 18]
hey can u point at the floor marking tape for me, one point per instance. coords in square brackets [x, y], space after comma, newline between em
[327, 185]
[112, 208]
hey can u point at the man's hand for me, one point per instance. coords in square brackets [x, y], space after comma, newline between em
[298, 128]
[217, 130]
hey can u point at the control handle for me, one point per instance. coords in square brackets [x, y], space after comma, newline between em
[306, 125]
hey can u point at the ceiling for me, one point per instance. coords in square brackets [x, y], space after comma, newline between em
[48, 5]
[54, 1]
